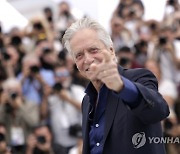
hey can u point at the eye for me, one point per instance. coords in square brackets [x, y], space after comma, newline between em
[94, 50]
[78, 56]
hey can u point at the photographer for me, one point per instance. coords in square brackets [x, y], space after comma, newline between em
[38, 30]
[34, 79]
[171, 7]
[63, 108]
[120, 35]
[164, 52]
[126, 58]
[4, 149]
[40, 141]
[11, 60]
[18, 115]
[65, 17]
[168, 90]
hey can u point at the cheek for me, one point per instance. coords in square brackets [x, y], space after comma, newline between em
[79, 66]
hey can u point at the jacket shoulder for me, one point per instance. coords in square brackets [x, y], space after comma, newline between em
[141, 75]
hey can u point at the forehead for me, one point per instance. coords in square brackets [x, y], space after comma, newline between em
[83, 39]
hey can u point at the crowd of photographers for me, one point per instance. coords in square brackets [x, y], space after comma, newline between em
[41, 89]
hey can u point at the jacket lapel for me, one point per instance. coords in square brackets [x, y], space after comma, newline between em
[112, 103]
[110, 112]
[85, 125]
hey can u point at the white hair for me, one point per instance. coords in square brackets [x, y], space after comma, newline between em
[11, 82]
[30, 57]
[83, 24]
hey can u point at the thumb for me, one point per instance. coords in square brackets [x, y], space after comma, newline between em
[94, 70]
[93, 67]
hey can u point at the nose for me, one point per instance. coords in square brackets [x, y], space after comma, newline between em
[88, 59]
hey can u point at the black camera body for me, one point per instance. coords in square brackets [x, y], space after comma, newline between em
[34, 69]
[75, 130]
[6, 56]
[57, 87]
[162, 40]
[8, 108]
[41, 139]
[16, 40]
[2, 137]
[124, 61]
[13, 95]
[38, 26]
[172, 2]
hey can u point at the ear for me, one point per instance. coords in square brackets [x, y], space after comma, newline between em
[112, 50]
[113, 53]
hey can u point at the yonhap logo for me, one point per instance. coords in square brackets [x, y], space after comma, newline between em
[138, 140]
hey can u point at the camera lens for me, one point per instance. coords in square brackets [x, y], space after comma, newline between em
[162, 40]
[16, 40]
[124, 61]
[41, 139]
[6, 56]
[8, 108]
[2, 137]
[34, 69]
[171, 2]
[38, 26]
[46, 50]
[57, 86]
[13, 95]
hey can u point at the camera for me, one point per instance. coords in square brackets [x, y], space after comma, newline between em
[1, 90]
[62, 54]
[153, 26]
[171, 2]
[0, 29]
[8, 108]
[46, 50]
[38, 26]
[2, 137]
[75, 130]
[168, 124]
[131, 12]
[124, 61]
[58, 87]
[6, 56]
[41, 139]
[1, 43]
[66, 13]
[16, 40]
[13, 95]
[34, 69]
[162, 40]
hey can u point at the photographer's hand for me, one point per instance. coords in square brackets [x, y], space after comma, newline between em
[25, 73]
[38, 77]
[31, 143]
[18, 102]
[4, 98]
[64, 95]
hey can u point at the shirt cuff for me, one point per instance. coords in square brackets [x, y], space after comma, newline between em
[129, 94]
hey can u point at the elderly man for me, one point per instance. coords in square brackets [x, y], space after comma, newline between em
[122, 108]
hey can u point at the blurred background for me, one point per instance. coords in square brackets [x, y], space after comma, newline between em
[40, 87]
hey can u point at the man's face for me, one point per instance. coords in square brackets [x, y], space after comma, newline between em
[87, 50]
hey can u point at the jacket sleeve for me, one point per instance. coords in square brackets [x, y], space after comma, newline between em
[152, 107]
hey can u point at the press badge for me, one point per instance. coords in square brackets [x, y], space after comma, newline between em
[17, 136]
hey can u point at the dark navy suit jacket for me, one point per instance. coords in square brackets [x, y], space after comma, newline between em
[122, 122]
